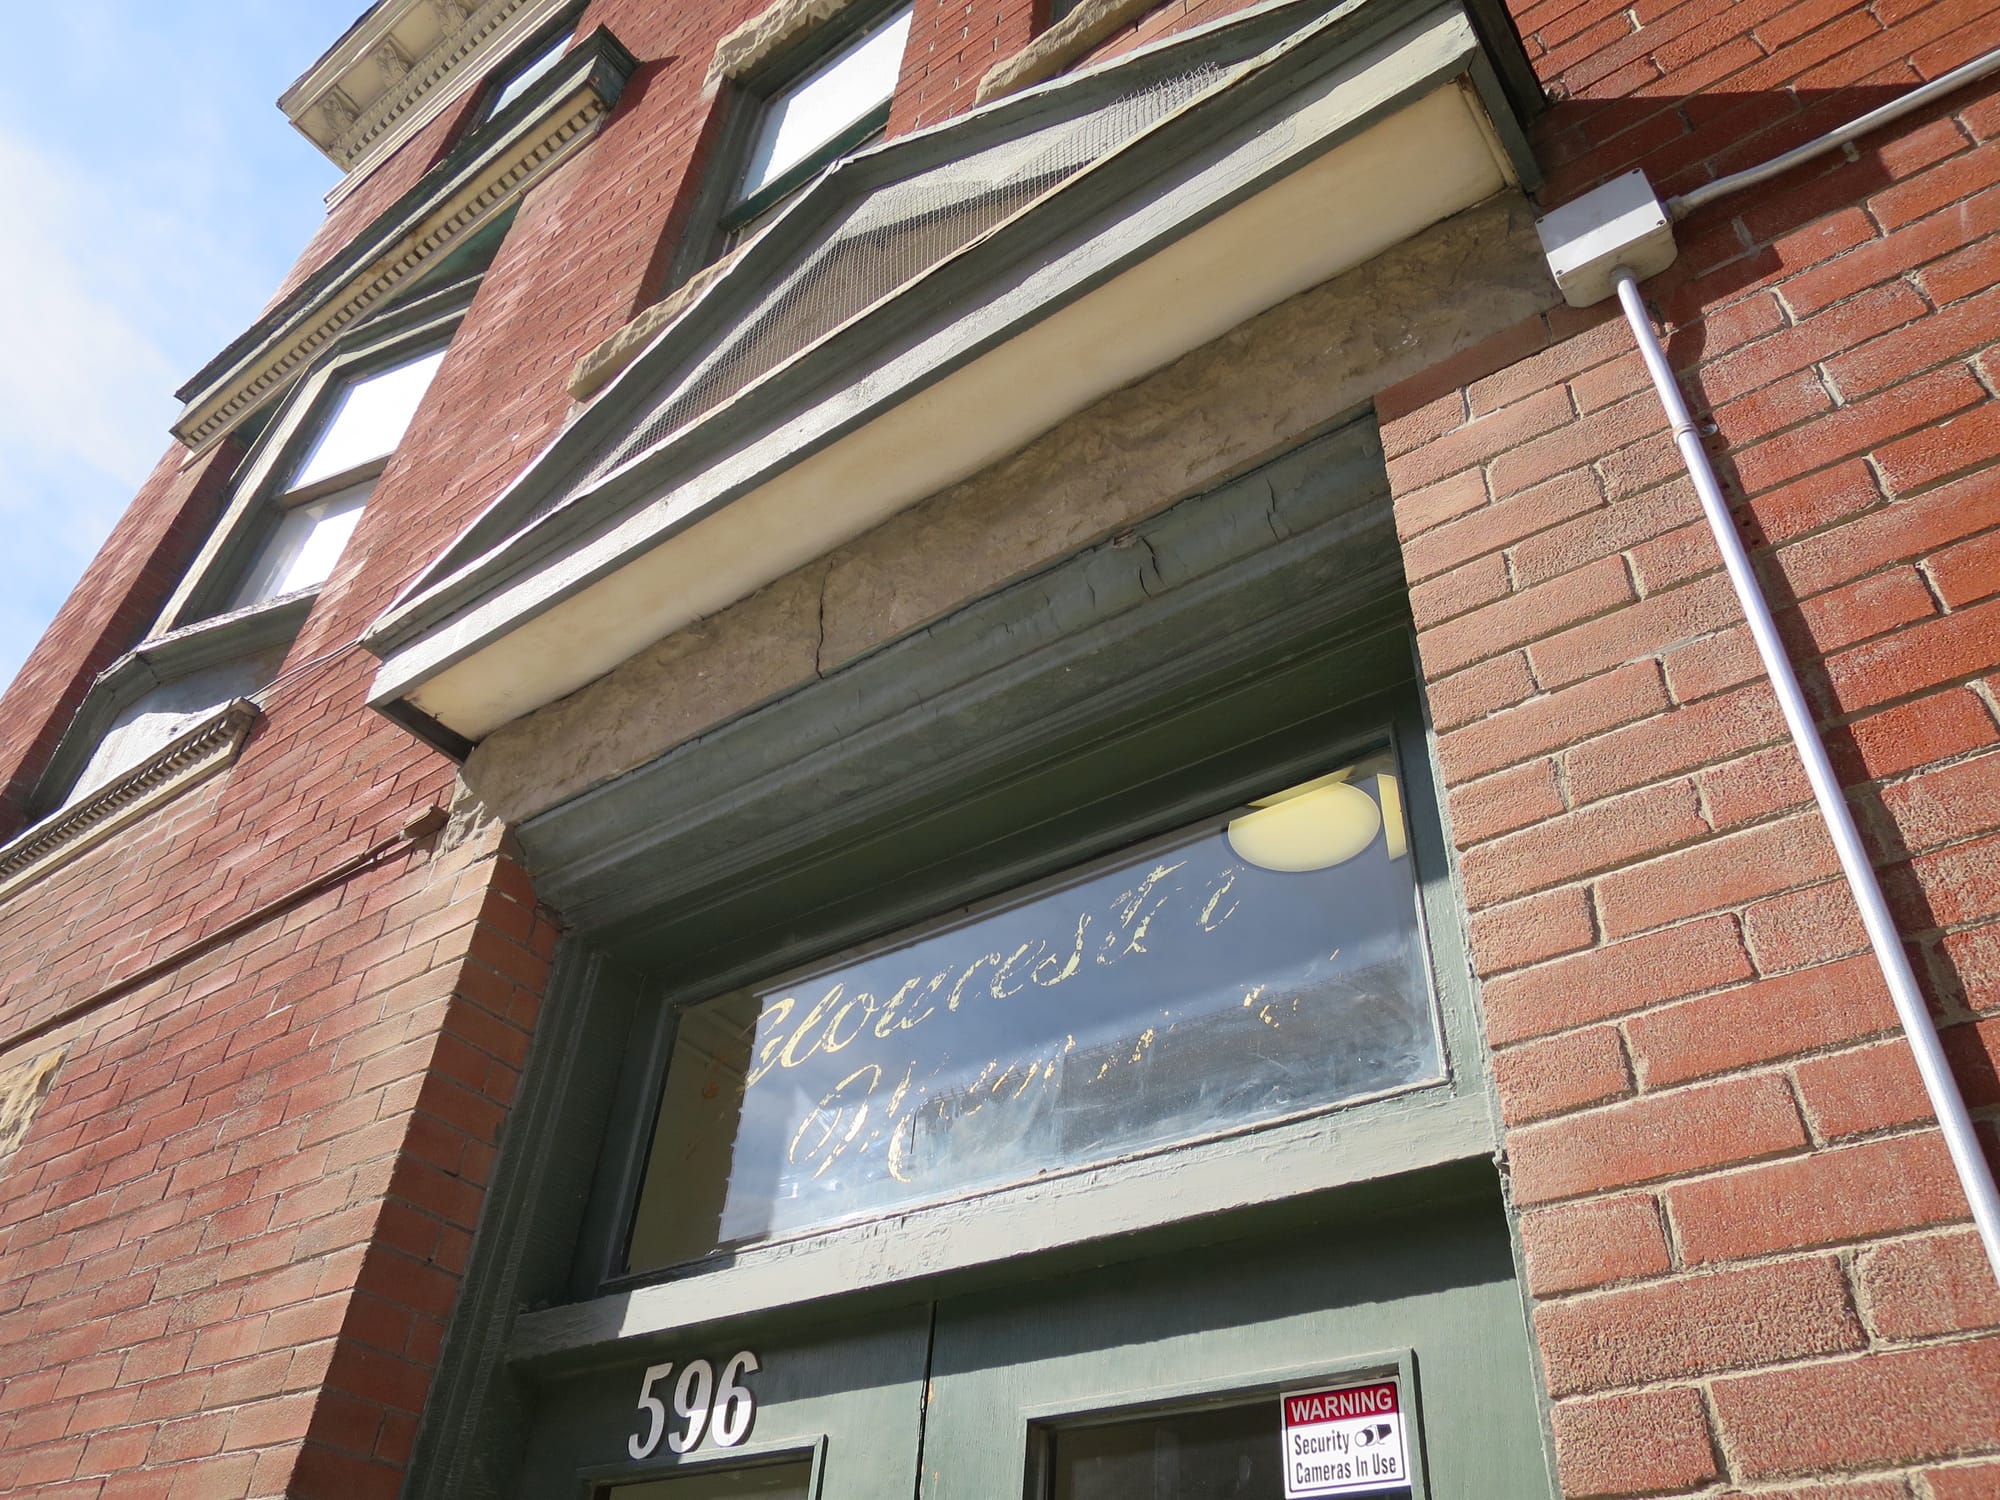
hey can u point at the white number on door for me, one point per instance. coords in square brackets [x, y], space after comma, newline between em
[721, 1408]
[735, 1406]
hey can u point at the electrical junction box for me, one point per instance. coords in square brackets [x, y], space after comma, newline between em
[1588, 239]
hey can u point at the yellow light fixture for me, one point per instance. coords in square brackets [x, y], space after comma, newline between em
[1313, 827]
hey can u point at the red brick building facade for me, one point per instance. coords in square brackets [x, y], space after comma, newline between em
[271, 1036]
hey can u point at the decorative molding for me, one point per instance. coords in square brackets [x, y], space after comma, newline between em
[399, 113]
[393, 62]
[453, 200]
[194, 757]
[397, 68]
[337, 110]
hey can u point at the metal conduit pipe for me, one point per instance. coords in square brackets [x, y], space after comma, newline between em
[1686, 203]
[1960, 1138]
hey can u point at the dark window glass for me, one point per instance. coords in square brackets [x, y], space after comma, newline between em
[1227, 1453]
[1232, 974]
[783, 1481]
[1216, 1453]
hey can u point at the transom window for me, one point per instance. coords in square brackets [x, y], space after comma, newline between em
[1236, 973]
[321, 503]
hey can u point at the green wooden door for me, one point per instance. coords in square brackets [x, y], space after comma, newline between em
[1159, 1379]
[1154, 1377]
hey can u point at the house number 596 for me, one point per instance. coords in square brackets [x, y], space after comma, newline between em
[720, 1407]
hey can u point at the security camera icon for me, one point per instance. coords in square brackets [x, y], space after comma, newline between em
[1368, 1437]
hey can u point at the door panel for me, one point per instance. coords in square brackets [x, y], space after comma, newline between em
[1176, 1363]
[1154, 1378]
[837, 1415]
[1224, 1451]
[781, 1479]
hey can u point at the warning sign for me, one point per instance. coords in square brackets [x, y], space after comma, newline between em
[1345, 1440]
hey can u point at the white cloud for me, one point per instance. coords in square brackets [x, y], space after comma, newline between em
[77, 373]
[84, 390]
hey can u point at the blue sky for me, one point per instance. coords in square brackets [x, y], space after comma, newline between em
[154, 195]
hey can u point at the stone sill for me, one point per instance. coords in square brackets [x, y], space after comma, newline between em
[1091, 23]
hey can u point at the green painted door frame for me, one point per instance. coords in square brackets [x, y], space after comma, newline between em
[1413, 1279]
[1237, 642]
[1426, 1293]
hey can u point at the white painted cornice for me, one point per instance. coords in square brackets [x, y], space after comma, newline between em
[395, 71]
[1280, 149]
[486, 173]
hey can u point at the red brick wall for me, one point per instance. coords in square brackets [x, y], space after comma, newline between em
[1743, 1237]
[229, 1245]
[952, 45]
[232, 1237]
[1169, 19]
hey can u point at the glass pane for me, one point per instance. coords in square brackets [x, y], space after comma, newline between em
[368, 420]
[304, 546]
[786, 1481]
[801, 119]
[531, 72]
[168, 712]
[1222, 977]
[1226, 1453]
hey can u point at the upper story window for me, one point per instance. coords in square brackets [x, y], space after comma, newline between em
[835, 106]
[352, 426]
[320, 504]
[514, 80]
[161, 715]
[177, 707]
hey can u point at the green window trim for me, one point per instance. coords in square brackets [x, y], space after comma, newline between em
[746, 211]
